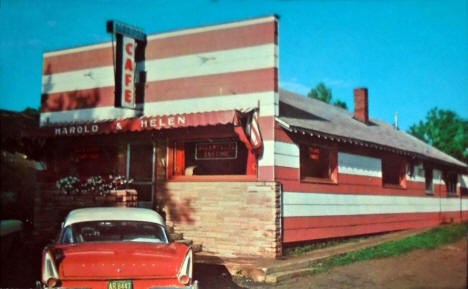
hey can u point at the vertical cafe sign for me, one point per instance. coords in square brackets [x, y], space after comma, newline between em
[129, 40]
[128, 73]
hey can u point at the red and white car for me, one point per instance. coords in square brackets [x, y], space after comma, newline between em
[116, 248]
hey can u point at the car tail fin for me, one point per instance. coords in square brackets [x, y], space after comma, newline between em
[49, 269]
[185, 271]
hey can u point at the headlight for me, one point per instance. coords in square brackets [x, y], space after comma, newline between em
[185, 271]
[50, 275]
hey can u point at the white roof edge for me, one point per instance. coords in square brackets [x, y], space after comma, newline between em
[78, 49]
[113, 213]
[233, 24]
[282, 123]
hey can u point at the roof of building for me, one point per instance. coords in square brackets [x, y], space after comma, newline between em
[16, 125]
[15, 132]
[113, 214]
[298, 113]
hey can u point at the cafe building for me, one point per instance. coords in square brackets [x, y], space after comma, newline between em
[196, 119]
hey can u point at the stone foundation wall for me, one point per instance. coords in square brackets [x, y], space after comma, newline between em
[229, 219]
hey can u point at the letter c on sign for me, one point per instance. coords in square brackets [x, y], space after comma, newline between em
[129, 48]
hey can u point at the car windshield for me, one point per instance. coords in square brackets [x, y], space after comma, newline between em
[113, 231]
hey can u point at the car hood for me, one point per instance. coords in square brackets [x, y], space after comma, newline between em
[120, 260]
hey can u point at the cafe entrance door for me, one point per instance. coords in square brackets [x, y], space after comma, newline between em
[141, 167]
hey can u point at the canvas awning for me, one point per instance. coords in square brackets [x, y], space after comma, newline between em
[244, 122]
[145, 123]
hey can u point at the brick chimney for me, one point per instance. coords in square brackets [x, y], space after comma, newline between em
[361, 105]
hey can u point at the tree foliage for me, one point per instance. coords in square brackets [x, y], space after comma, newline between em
[323, 93]
[340, 103]
[445, 130]
[34, 112]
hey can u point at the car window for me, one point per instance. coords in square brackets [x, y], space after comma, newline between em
[113, 231]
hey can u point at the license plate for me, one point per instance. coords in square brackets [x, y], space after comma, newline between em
[120, 284]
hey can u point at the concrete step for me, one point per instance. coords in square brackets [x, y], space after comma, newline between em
[293, 264]
[287, 267]
[285, 275]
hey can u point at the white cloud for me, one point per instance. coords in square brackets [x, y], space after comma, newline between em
[295, 87]
[338, 82]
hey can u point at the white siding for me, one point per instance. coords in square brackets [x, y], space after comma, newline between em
[322, 204]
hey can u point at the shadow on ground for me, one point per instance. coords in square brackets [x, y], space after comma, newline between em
[214, 277]
[21, 266]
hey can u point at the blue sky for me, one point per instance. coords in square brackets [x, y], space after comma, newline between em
[411, 55]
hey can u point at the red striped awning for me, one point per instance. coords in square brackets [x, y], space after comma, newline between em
[146, 123]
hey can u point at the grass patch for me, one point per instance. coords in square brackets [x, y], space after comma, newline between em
[428, 240]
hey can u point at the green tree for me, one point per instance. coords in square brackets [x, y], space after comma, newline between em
[340, 103]
[31, 111]
[323, 93]
[445, 130]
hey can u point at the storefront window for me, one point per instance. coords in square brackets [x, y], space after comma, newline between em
[209, 158]
[451, 183]
[393, 172]
[130, 161]
[87, 161]
[428, 174]
[318, 163]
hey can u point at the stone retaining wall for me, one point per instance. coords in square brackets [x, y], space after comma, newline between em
[229, 219]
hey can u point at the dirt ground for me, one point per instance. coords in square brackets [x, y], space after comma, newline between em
[442, 268]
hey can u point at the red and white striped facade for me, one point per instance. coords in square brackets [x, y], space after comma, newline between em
[358, 203]
[220, 67]
[235, 66]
